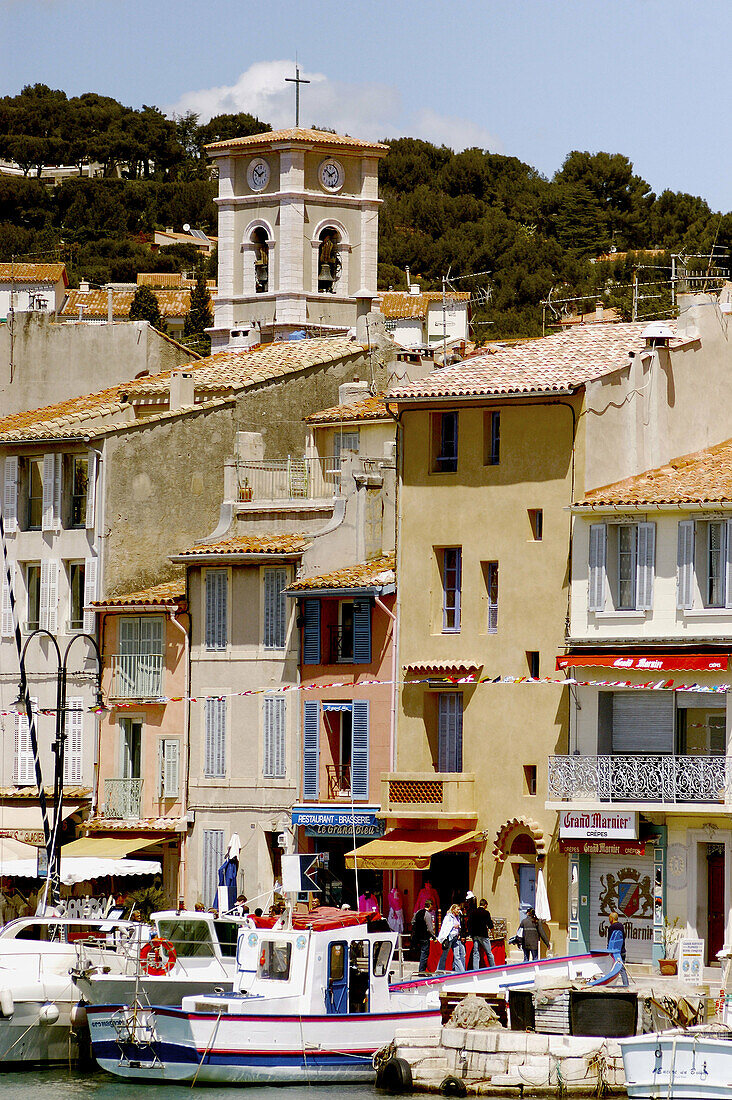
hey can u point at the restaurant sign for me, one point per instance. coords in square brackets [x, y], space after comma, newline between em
[598, 825]
[332, 821]
[602, 847]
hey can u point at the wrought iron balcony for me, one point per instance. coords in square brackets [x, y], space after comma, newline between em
[123, 799]
[665, 779]
[339, 780]
[136, 675]
[294, 479]
[340, 645]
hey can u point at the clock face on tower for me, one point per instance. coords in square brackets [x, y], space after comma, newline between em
[331, 175]
[258, 174]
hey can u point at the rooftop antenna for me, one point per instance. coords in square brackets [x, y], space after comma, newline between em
[297, 80]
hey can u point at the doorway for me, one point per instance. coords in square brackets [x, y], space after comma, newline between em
[450, 875]
[526, 888]
[715, 902]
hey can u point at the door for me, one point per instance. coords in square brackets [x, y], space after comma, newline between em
[715, 902]
[336, 994]
[527, 888]
[131, 748]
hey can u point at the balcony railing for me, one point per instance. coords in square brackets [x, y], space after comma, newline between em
[429, 794]
[295, 479]
[136, 675]
[122, 799]
[340, 640]
[667, 779]
[339, 780]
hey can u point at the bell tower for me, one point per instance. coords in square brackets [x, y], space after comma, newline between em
[298, 233]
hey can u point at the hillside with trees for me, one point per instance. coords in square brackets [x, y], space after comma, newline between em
[473, 211]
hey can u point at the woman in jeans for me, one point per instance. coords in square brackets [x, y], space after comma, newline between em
[449, 937]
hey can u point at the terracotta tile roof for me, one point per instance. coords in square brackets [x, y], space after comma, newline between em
[400, 304]
[143, 825]
[173, 303]
[33, 273]
[29, 794]
[565, 360]
[171, 280]
[251, 544]
[68, 418]
[371, 408]
[308, 137]
[370, 574]
[171, 592]
[234, 369]
[460, 667]
[699, 478]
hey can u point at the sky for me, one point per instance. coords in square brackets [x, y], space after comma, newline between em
[528, 78]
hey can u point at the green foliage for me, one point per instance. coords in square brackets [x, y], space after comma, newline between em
[147, 900]
[144, 307]
[199, 316]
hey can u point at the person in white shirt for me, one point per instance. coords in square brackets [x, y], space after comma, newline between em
[448, 937]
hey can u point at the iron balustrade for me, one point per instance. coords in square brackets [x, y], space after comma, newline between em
[631, 778]
[294, 479]
[136, 675]
[123, 799]
[339, 780]
[340, 646]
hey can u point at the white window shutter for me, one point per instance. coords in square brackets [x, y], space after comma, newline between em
[168, 753]
[43, 613]
[52, 570]
[49, 486]
[24, 769]
[10, 494]
[645, 566]
[91, 489]
[58, 473]
[8, 625]
[74, 734]
[597, 566]
[685, 565]
[90, 594]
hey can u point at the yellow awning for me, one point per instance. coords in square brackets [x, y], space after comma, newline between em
[407, 849]
[106, 847]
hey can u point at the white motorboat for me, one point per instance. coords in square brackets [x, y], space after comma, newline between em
[692, 1064]
[313, 1003]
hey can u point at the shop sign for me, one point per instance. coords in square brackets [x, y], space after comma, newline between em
[335, 822]
[624, 886]
[598, 825]
[691, 961]
[602, 847]
[27, 836]
[649, 662]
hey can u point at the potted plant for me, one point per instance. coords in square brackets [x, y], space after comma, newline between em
[671, 935]
[245, 491]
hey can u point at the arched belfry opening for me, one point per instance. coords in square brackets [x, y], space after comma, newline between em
[329, 263]
[261, 260]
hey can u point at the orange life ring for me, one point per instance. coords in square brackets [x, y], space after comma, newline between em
[158, 957]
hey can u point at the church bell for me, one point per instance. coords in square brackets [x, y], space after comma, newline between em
[325, 275]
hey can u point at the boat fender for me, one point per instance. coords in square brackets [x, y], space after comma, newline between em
[78, 1015]
[7, 1005]
[48, 1013]
[158, 957]
[453, 1086]
[394, 1075]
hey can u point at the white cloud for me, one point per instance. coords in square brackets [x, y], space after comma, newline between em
[368, 111]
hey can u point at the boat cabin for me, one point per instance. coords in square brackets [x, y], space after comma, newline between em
[198, 937]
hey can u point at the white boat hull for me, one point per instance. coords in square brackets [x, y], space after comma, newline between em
[677, 1065]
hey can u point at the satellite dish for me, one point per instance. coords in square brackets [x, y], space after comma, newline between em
[186, 228]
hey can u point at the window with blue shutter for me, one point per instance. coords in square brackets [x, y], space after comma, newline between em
[311, 633]
[214, 763]
[213, 857]
[311, 750]
[216, 608]
[450, 732]
[360, 748]
[362, 632]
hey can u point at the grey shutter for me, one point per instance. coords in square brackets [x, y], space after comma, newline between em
[274, 608]
[728, 564]
[362, 631]
[58, 472]
[597, 567]
[273, 723]
[73, 760]
[213, 857]
[49, 492]
[643, 722]
[91, 489]
[450, 732]
[311, 639]
[685, 565]
[311, 750]
[645, 566]
[360, 749]
[214, 765]
[216, 608]
[10, 494]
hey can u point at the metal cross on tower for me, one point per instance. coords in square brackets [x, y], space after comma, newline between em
[297, 80]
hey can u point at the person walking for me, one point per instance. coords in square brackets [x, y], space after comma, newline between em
[423, 933]
[449, 936]
[616, 945]
[531, 931]
[480, 926]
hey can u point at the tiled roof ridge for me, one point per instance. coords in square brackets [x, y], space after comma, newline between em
[691, 477]
[165, 592]
[299, 133]
[359, 575]
[251, 544]
[374, 404]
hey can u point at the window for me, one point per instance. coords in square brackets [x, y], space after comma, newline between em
[168, 767]
[74, 734]
[490, 577]
[214, 764]
[444, 442]
[33, 596]
[139, 664]
[382, 954]
[212, 857]
[76, 595]
[345, 441]
[344, 649]
[131, 748]
[35, 493]
[530, 778]
[532, 660]
[24, 774]
[79, 488]
[273, 723]
[717, 734]
[716, 559]
[636, 722]
[274, 960]
[536, 520]
[624, 555]
[450, 731]
[451, 582]
[217, 584]
[275, 608]
[627, 564]
[492, 442]
[311, 750]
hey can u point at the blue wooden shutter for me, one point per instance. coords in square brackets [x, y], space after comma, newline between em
[311, 640]
[360, 749]
[362, 632]
[311, 749]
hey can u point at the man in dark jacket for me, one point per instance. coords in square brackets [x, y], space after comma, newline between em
[480, 926]
[423, 933]
[531, 931]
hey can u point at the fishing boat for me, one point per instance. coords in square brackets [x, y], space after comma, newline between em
[312, 1003]
[691, 1064]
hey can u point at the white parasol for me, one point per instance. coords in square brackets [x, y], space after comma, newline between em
[541, 905]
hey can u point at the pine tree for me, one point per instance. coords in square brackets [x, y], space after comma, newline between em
[200, 315]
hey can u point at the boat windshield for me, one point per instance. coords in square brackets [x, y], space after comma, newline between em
[190, 938]
[43, 932]
[274, 960]
[227, 932]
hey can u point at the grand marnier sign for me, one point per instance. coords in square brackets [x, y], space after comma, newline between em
[597, 825]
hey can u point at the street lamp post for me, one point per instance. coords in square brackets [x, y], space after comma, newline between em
[53, 844]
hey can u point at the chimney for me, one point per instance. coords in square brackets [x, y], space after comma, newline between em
[599, 311]
[182, 390]
[83, 286]
[353, 391]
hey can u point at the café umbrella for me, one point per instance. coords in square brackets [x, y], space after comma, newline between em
[541, 905]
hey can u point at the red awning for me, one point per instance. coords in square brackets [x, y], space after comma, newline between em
[648, 662]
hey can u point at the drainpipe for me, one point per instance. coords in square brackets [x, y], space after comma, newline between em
[98, 544]
[184, 755]
[392, 719]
